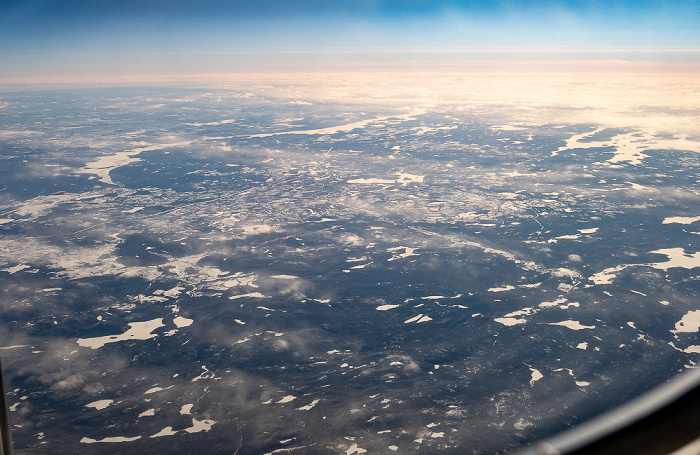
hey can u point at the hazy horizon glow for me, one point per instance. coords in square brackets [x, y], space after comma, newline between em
[73, 38]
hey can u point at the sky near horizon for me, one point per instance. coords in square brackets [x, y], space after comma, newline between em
[75, 37]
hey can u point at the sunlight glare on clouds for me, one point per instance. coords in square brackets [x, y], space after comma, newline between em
[75, 39]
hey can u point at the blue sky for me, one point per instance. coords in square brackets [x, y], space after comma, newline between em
[45, 36]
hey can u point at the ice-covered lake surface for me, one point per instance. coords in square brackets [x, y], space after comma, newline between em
[344, 264]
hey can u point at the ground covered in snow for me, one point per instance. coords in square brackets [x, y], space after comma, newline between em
[345, 264]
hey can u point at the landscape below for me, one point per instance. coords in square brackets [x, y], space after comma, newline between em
[344, 263]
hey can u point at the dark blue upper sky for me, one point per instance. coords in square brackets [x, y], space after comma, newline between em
[45, 35]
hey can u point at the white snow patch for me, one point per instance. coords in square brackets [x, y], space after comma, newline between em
[564, 237]
[588, 231]
[250, 294]
[167, 431]
[112, 439]
[677, 258]
[138, 331]
[629, 147]
[309, 406]
[386, 307]
[354, 449]
[607, 275]
[573, 325]
[510, 321]
[174, 292]
[157, 389]
[694, 349]
[418, 319]
[681, 219]
[536, 376]
[100, 404]
[287, 399]
[200, 425]
[105, 164]
[181, 322]
[501, 289]
[206, 374]
[689, 323]
[16, 346]
[557, 302]
[148, 413]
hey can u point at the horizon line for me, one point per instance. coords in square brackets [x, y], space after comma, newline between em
[503, 68]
